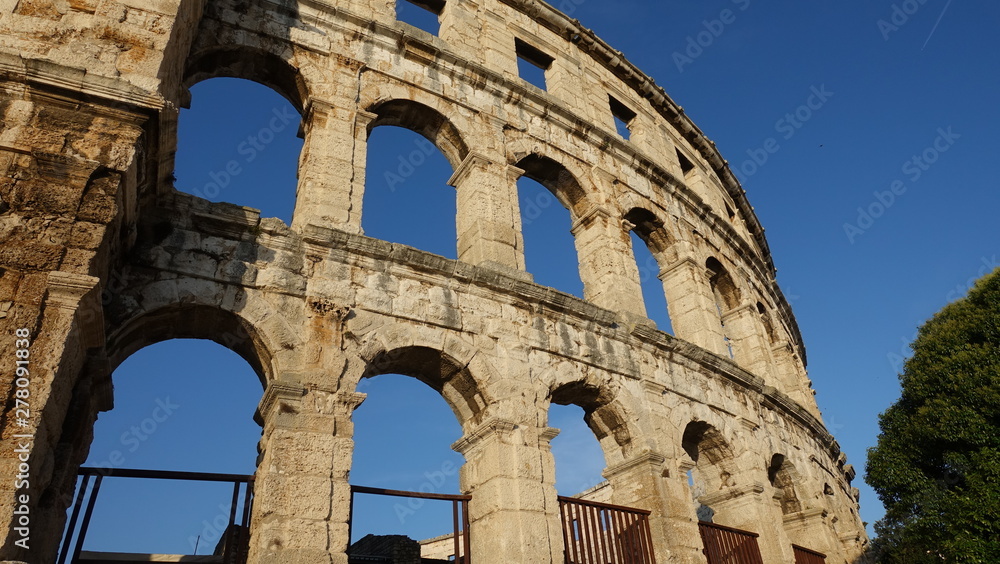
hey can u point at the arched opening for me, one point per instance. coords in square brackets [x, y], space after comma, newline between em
[402, 438]
[726, 296]
[237, 143]
[593, 435]
[237, 139]
[576, 450]
[711, 469]
[765, 320]
[651, 247]
[407, 198]
[181, 405]
[781, 474]
[550, 252]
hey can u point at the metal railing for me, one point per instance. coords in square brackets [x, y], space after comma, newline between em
[236, 541]
[725, 545]
[459, 513]
[804, 555]
[601, 533]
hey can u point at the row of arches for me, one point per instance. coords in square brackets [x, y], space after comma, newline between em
[463, 385]
[558, 231]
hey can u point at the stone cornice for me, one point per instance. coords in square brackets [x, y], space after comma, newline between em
[491, 428]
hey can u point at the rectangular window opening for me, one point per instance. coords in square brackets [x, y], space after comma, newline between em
[421, 14]
[532, 64]
[623, 117]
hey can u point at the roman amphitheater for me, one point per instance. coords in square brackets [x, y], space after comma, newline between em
[101, 255]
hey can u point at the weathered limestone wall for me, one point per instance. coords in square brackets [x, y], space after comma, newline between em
[100, 256]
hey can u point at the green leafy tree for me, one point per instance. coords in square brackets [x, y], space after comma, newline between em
[936, 466]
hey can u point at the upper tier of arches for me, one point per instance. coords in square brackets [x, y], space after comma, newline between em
[666, 182]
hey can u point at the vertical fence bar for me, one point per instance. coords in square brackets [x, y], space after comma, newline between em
[244, 542]
[454, 520]
[466, 533]
[86, 519]
[601, 533]
[725, 545]
[804, 555]
[231, 535]
[72, 520]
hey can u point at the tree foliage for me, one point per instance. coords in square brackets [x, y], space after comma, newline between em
[936, 466]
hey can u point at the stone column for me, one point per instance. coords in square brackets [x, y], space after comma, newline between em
[488, 220]
[644, 482]
[751, 348]
[691, 305]
[332, 165]
[810, 528]
[748, 508]
[302, 495]
[513, 514]
[792, 378]
[608, 269]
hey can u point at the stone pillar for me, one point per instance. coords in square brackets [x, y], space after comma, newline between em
[332, 165]
[608, 269]
[302, 495]
[33, 507]
[747, 508]
[691, 305]
[644, 482]
[792, 378]
[488, 221]
[513, 514]
[810, 528]
[751, 347]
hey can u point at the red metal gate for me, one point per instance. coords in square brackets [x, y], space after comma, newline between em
[601, 533]
[805, 556]
[725, 545]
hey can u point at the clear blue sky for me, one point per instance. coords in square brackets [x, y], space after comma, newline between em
[859, 286]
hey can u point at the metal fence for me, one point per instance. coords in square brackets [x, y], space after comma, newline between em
[725, 545]
[804, 555]
[459, 512]
[601, 533]
[236, 538]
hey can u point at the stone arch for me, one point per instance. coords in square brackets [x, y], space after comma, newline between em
[558, 179]
[768, 323]
[194, 321]
[711, 465]
[190, 308]
[605, 412]
[250, 63]
[425, 121]
[727, 294]
[652, 231]
[451, 368]
[441, 372]
[783, 477]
